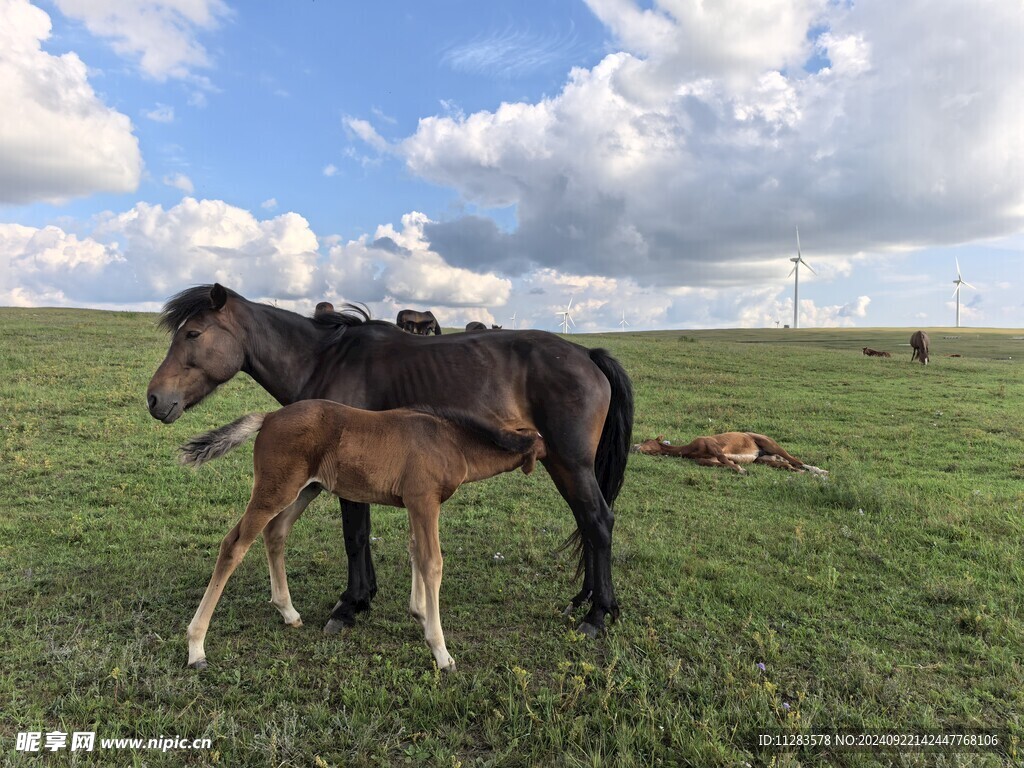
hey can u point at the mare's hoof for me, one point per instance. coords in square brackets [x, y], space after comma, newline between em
[200, 664]
[334, 626]
[588, 629]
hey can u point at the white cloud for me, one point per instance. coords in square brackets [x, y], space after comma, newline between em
[161, 113]
[269, 205]
[398, 264]
[330, 170]
[688, 157]
[201, 241]
[180, 181]
[365, 131]
[39, 265]
[159, 34]
[57, 139]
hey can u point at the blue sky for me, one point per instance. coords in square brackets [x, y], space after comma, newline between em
[481, 159]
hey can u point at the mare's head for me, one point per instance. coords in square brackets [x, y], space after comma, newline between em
[650, 447]
[205, 351]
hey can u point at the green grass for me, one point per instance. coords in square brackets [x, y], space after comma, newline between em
[885, 599]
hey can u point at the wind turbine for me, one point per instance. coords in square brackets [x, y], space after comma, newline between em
[797, 261]
[513, 319]
[567, 318]
[956, 292]
[622, 322]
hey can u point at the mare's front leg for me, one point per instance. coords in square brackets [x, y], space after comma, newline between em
[362, 581]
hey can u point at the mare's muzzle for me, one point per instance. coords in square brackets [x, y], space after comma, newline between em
[164, 407]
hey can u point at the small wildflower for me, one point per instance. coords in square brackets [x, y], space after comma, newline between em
[785, 705]
[498, 557]
[761, 666]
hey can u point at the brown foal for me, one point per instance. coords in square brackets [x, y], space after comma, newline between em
[401, 458]
[729, 449]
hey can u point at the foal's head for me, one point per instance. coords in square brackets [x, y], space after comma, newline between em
[651, 447]
[205, 350]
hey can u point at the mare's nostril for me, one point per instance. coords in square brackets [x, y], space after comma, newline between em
[152, 402]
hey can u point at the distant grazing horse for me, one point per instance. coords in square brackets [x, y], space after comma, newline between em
[419, 323]
[875, 352]
[478, 326]
[402, 458]
[919, 341]
[729, 449]
[580, 399]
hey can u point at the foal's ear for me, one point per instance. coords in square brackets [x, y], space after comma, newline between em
[218, 296]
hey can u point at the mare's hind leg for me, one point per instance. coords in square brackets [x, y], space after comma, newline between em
[274, 537]
[594, 519]
[263, 506]
[362, 581]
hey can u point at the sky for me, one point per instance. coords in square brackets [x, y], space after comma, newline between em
[649, 161]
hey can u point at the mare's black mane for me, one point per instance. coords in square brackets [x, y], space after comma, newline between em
[188, 303]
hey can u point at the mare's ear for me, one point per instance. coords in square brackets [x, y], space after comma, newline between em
[218, 296]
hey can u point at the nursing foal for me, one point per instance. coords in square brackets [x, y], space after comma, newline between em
[402, 458]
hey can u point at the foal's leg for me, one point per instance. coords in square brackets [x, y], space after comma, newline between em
[417, 594]
[261, 509]
[426, 545]
[362, 581]
[778, 462]
[727, 463]
[274, 537]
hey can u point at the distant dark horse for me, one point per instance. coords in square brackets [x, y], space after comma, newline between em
[919, 341]
[420, 323]
[476, 325]
[579, 399]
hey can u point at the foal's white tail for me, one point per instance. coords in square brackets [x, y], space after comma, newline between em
[214, 444]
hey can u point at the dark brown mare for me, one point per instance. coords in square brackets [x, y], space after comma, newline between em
[403, 458]
[579, 399]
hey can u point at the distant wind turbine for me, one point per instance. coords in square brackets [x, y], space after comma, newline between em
[513, 319]
[622, 322]
[797, 261]
[956, 292]
[567, 318]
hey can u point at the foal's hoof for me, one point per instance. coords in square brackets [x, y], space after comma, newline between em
[589, 630]
[297, 623]
[198, 664]
[334, 626]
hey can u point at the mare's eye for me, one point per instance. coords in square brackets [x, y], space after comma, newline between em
[192, 334]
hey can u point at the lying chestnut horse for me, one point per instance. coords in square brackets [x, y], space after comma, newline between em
[875, 352]
[402, 458]
[729, 449]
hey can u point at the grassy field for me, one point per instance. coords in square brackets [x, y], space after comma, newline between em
[885, 599]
